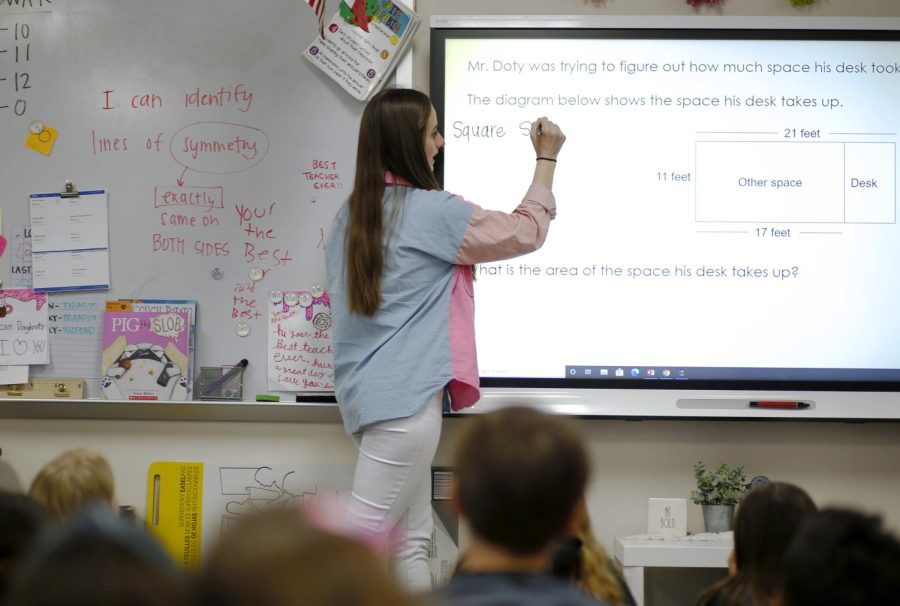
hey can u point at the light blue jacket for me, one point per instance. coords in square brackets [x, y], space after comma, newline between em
[421, 340]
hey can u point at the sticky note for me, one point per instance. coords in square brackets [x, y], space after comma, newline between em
[43, 141]
[175, 508]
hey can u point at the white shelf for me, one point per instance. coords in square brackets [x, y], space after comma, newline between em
[680, 553]
[637, 553]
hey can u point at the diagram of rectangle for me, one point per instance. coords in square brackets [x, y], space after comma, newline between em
[769, 182]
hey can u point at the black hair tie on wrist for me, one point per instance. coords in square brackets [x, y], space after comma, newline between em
[547, 159]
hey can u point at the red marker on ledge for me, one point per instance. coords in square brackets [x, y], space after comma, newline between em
[785, 404]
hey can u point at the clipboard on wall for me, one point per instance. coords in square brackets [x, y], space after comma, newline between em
[69, 240]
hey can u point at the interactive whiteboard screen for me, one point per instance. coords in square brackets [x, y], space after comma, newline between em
[727, 205]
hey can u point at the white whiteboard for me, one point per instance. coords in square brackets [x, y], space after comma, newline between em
[122, 82]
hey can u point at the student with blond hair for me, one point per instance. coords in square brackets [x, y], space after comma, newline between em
[71, 481]
[581, 559]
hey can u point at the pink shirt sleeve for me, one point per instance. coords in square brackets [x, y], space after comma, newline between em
[494, 235]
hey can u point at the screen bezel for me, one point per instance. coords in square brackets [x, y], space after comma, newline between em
[447, 28]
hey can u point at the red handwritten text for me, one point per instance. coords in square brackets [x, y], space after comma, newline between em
[324, 175]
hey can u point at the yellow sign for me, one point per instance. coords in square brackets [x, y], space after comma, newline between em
[175, 508]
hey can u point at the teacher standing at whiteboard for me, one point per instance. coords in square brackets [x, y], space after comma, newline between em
[399, 260]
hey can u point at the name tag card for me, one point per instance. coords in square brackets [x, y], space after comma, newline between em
[667, 517]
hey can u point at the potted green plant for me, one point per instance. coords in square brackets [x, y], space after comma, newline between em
[718, 491]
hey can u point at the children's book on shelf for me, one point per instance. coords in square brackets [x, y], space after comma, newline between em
[145, 354]
[188, 305]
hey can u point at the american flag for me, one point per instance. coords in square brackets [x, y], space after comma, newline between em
[319, 7]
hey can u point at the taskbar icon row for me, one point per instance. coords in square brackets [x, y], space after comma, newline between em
[627, 372]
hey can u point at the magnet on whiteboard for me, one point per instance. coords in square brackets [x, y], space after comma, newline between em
[37, 127]
[242, 329]
[291, 299]
[316, 290]
[275, 297]
[256, 274]
[306, 299]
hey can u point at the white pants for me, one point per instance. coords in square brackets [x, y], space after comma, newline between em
[392, 488]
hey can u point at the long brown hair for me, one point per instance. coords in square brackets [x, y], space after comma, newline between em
[391, 138]
[766, 521]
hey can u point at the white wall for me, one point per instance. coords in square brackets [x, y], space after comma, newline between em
[838, 463]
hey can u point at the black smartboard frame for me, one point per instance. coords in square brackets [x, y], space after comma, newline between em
[829, 394]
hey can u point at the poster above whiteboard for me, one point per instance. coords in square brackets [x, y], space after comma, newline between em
[362, 44]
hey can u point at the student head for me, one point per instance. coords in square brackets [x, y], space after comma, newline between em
[767, 519]
[842, 557]
[21, 519]
[96, 559]
[72, 480]
[277, 559]
[521, 475]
